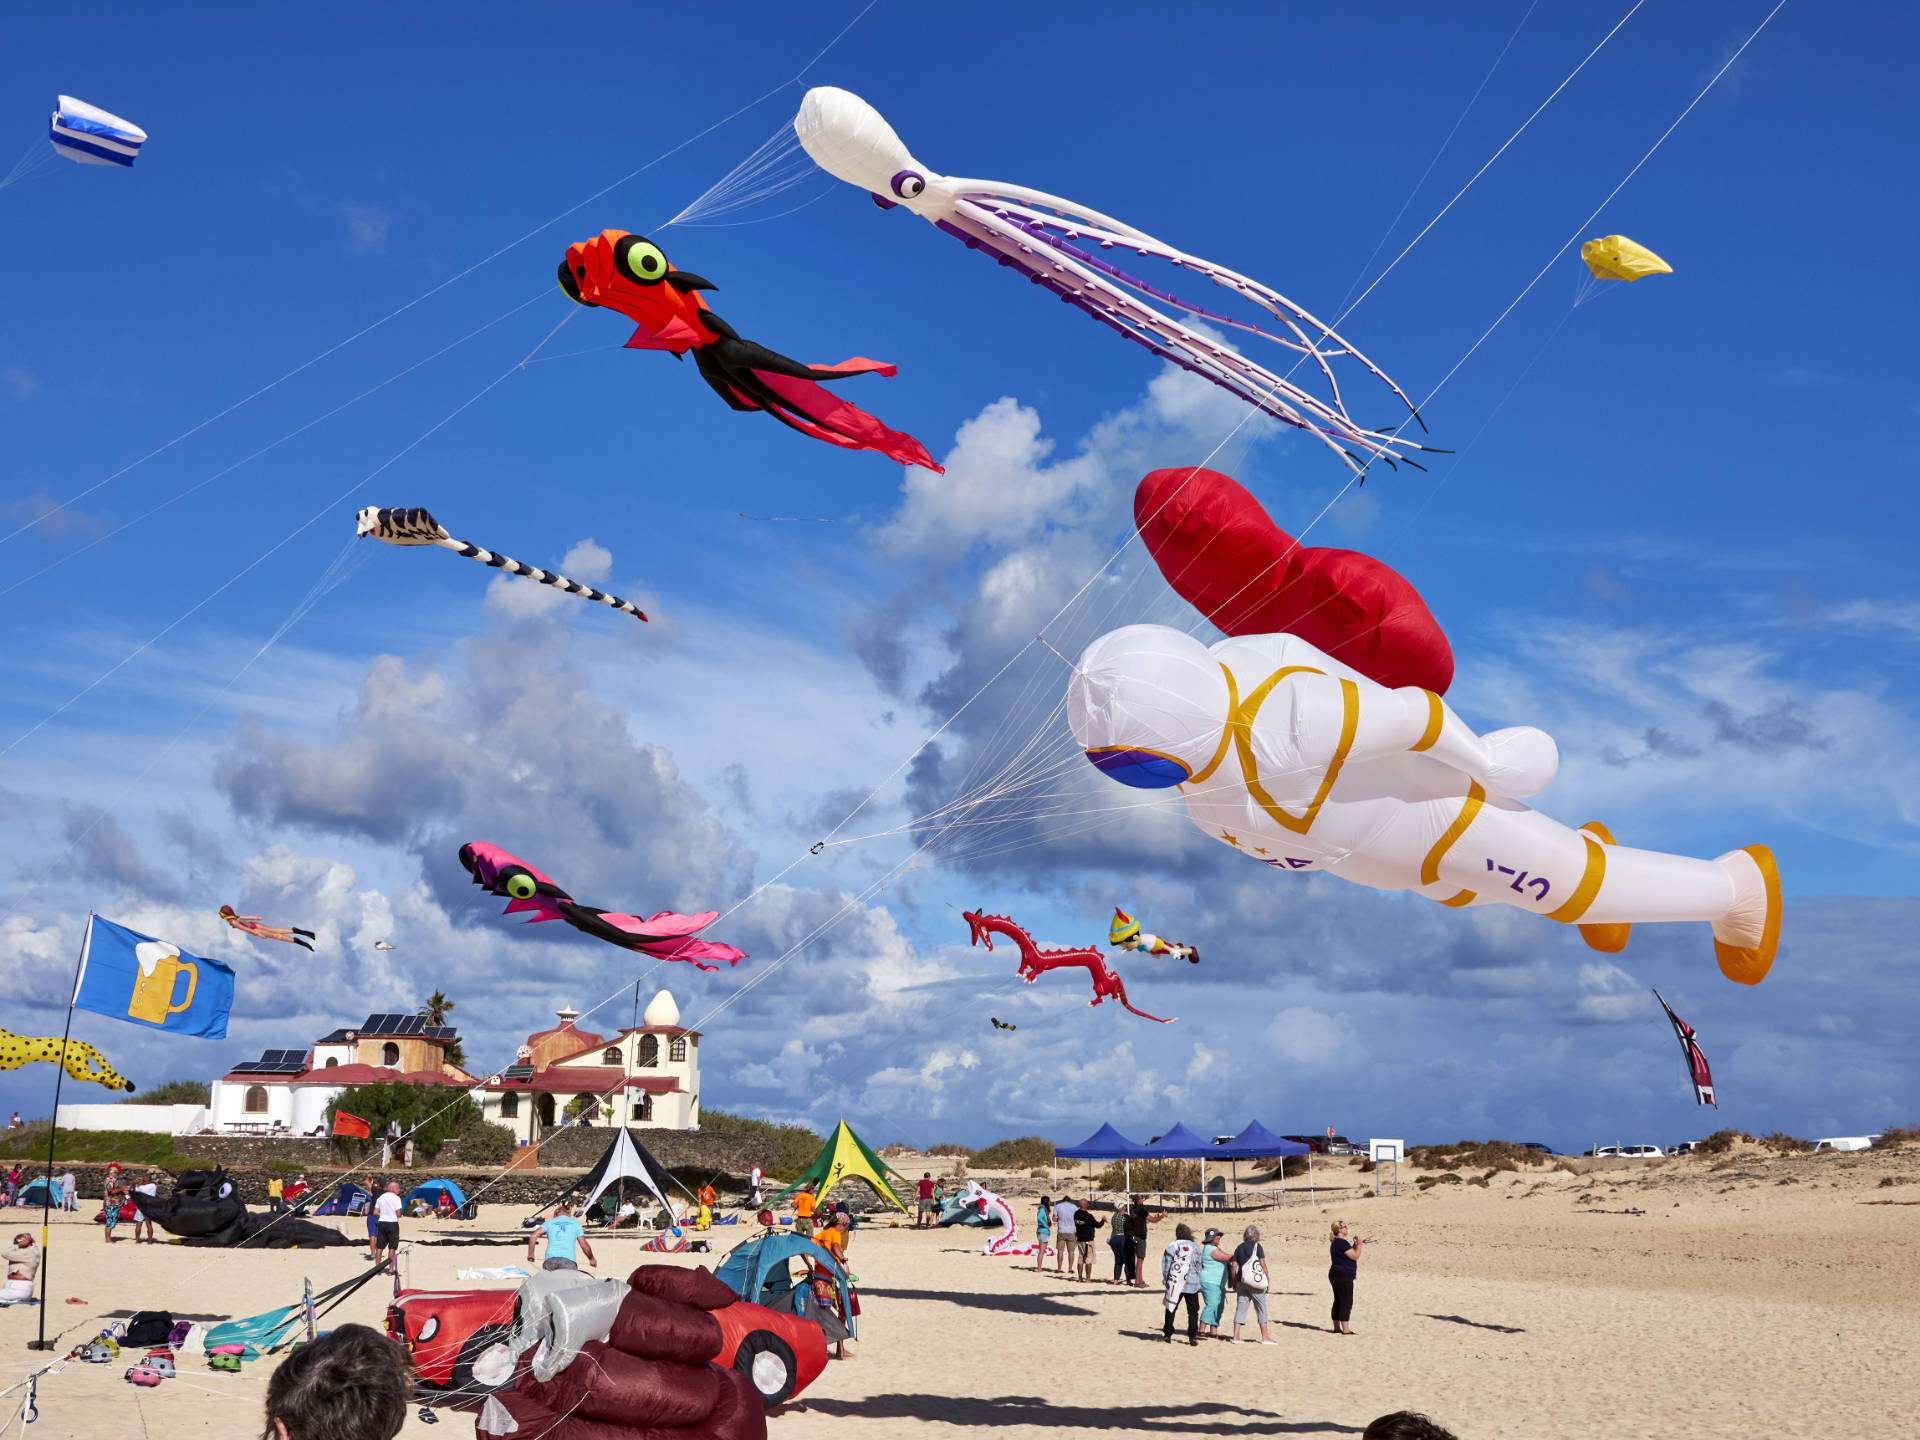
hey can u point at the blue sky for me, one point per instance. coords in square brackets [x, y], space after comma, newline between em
[1680, 537]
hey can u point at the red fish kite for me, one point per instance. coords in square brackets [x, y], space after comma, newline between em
[630, 274]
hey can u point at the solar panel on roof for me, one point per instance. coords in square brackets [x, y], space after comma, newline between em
[518, 1072]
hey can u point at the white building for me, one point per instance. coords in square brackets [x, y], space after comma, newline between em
[647, 1076]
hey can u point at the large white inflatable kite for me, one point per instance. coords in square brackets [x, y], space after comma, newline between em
[1303, 763]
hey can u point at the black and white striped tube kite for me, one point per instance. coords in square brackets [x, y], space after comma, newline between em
[414, 526]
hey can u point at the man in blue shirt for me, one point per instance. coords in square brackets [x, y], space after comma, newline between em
[563, 1238]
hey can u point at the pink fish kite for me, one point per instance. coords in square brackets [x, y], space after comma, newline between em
[665, 936]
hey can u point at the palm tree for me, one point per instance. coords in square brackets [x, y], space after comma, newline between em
[434, 1012]
[435, 1009]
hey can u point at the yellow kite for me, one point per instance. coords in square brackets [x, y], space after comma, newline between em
[1615, 257]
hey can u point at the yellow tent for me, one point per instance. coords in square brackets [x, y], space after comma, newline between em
[845, 1156]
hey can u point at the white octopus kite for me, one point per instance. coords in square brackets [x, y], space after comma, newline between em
[1034, 232]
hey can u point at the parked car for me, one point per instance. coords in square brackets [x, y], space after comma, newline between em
[1683, 1147]
[1642, 1152]
[1340, 1145]
[1602, 1150]
[1845, 1142]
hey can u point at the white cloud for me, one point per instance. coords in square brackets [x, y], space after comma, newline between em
[1310, 1037]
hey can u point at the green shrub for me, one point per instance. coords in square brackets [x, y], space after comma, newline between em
[174, 1092]
[483, 1143]
[1021, 1154]
[430, 1115]
[129, 1147]
[1897, 1135]
[798, 1145]
[1782, 1143]
[1719, 1143]
[947, 1147]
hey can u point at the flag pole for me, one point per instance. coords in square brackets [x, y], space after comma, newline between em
[53, 1130]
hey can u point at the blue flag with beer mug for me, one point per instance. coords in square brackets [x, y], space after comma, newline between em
[152, 982]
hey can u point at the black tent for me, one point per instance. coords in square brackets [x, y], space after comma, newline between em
[625, 1158]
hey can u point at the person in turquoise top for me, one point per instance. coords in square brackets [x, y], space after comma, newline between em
[1213, 1282]
[1045, 1232]
[563, 1240]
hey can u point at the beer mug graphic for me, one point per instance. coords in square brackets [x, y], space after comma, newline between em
[160, 965]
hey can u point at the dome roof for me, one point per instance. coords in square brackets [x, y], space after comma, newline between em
[661, 1011]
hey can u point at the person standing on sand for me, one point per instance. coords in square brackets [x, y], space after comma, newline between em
[69, 1192]
[1118, 1244]
[1064, 1209]
[803, 1204]
[1136, 1242]
[140, 1221]
[1250, 1284]
[114, 1195]
[1213, 1282]
[1086, 1225]
[926, 1187]
[1406, 1425]
[1180, 1275]
[1341, 1274]
[386, 1232]
[1043, 1225]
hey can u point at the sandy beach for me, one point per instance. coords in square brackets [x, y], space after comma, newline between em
[1752, 1294]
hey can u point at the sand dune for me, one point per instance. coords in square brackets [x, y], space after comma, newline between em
[1754, 1295]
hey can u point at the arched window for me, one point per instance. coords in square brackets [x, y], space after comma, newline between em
[644, 1110]
[649, 1050]
[610, 1055]
[332, 1061]
[677, 1048]
[256, 1100]
[546, 1109]
[389, 1054]
[509, 1106]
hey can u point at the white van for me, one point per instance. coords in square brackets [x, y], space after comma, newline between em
[1846, 1142]
[1643, 1152]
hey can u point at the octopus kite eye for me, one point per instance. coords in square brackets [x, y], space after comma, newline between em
[571, 288]
[909, 184]
[520, 885]
[639, 259]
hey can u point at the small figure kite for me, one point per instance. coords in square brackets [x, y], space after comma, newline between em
[665, 936]
[1124, 934]
[1068, 250]
[79, 1059]
[415, 526]
[383, 945]
[1697, 1069]
[260, 930]
[629, 274]
[1034, 961]
[1001, 1024]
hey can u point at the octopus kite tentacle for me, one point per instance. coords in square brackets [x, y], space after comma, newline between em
[412, 525]
[1034, 961]
[1035, 233]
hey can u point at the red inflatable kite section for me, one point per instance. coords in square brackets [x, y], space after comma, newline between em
[1226, 557]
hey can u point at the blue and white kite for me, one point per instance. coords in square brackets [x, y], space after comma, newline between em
[89, 135]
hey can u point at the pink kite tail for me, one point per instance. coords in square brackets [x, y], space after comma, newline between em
[839, 423]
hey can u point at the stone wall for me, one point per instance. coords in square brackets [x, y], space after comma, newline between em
[732, 1156]
[251, 1150]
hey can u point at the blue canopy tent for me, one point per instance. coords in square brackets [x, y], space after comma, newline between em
[1256, 1142]
[431, 1191]
[760, 1271]
[1106, 1143]
[347, 1199]
[1180, 1143]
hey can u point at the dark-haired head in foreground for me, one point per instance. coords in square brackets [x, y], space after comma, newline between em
[350, 1384]
[1404, 1425]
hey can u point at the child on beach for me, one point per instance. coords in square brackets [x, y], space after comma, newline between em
[1043, 1229]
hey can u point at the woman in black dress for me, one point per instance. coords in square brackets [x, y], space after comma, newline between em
[1341, 1274]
